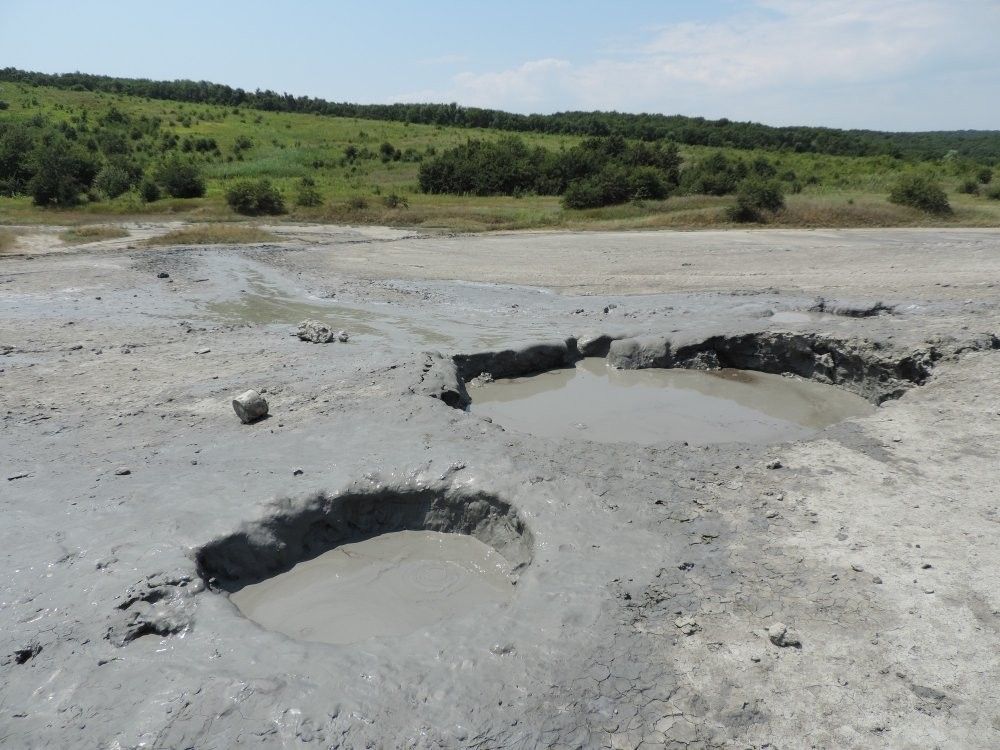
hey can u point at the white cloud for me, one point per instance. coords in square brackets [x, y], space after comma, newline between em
[803, 59]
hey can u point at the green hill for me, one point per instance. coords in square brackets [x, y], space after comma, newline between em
[369, 170]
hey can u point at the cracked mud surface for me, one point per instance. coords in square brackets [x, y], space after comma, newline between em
[838, 591]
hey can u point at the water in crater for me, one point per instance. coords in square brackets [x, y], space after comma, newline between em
[388, 585]
[593, 401]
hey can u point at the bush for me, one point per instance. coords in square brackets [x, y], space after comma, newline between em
[149, 191]
[754, 198]
[308, 196]
[3, 105]
[993, 192]
[715, 175]
[357, 203]
[16, 169]
[969, 187]
[646, 183]
[62, 171]
[255, 197]
[922, 193]
[181, 179]
[113, 180]
[985, 176]
[394, 200]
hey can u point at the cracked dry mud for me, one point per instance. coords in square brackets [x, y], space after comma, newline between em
[834, 591]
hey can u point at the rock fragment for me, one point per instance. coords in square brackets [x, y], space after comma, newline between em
[782, 636]
[687, 625]
[122, 471]
[318, 332]
[163, 275]
[250, 406]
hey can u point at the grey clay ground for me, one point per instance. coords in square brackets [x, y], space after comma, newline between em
[641, 620]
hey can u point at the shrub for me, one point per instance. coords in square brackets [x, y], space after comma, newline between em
[969, 187]
[357, 203]
[993, 192]
[394, 200]
[3, 105]
[181, 179]
[308, 196]
[62, 171]
[388, 152]
[714, 175]
[985, 175]
[255, 197]
[149, 191]
[646, 183]
[609, 186]
[755, 197]
[16, 169]
[113, 180]
[922, 193]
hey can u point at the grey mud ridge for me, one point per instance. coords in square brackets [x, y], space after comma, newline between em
[837, 592]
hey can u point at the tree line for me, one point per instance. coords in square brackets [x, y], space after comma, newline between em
[983, 146]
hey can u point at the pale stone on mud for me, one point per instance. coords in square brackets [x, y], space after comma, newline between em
[250, 406]
[318, 332]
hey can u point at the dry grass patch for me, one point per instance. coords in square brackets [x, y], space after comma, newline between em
[214, 234]
[83, 235]
[7, 240]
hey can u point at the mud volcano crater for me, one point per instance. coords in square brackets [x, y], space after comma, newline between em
[347, 567]
[720, 388]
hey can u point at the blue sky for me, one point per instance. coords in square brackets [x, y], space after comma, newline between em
[887, 64]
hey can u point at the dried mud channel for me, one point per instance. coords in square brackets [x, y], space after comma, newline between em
[740, 501]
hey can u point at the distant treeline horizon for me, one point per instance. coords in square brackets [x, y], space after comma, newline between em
[980, 145]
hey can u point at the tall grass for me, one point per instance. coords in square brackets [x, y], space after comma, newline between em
[96, 233]
[213, 234]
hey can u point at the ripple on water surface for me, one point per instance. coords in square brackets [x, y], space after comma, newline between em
[593, 401]
[388, 585]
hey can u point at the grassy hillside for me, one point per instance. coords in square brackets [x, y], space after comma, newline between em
[357, 178]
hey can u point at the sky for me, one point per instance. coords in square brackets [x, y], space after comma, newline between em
[882, 64]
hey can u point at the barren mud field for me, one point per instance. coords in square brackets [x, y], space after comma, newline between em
[821, 571]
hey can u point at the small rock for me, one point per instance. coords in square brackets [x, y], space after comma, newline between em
[19, 475]
[687, 625]
[76, 347]
[297, 472]
[876, 580]
[481, 379]
[203, 350]
[163, 275]
[123, 471]
[780, 635]
[250, 406]
[857, 568]
[775, 464]
[317, 332]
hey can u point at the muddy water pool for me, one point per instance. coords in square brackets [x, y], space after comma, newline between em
[388, 585]
[593, 401]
